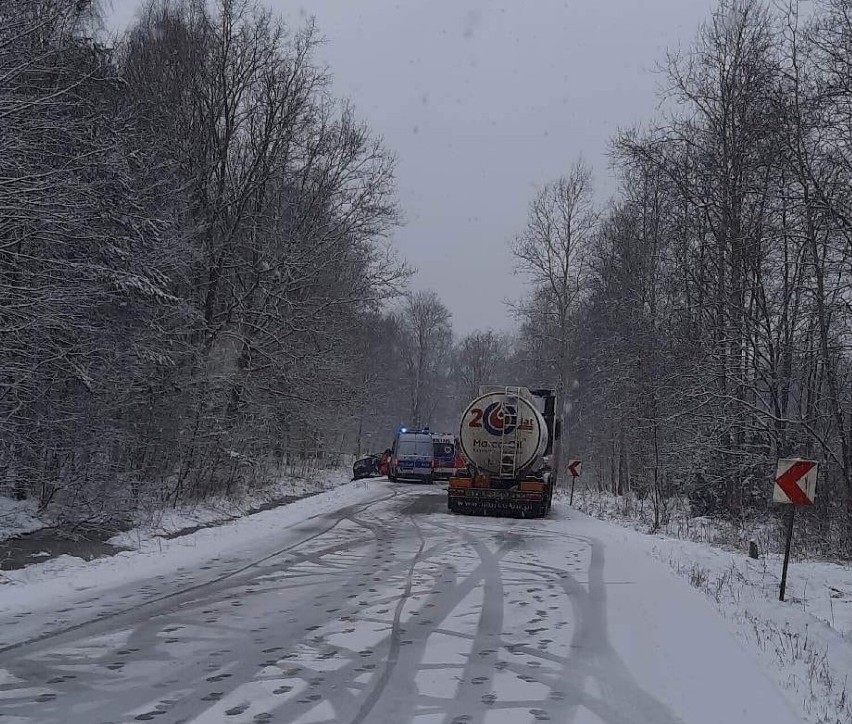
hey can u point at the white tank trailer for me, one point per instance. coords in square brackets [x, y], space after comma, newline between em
[508, 436]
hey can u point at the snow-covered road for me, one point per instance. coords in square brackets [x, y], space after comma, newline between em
[383, 608]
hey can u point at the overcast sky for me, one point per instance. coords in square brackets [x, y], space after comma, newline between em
[482, 101]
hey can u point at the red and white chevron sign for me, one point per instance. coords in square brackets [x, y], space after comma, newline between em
[574, 468]
[795, 482]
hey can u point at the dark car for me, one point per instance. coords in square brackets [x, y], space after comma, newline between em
[366, 466]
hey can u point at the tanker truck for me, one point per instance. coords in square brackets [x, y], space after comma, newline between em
[508, 436]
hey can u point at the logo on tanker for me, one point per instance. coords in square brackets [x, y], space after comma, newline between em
[497, 419]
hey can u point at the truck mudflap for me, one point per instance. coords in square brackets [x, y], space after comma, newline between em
[485, 501]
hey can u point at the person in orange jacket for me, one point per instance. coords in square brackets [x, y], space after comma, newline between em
[384, 463]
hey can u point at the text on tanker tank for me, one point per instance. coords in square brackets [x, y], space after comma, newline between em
[497, 444]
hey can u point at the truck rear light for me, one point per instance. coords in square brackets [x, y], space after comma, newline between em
[531, 485]
[459, 482]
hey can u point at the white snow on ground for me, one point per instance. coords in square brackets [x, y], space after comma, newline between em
[439, 616]
[38, 587]
[18, 517]
[805, 643]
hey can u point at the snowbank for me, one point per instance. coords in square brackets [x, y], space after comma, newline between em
[225, 521]
[172, 521]
[18, 517]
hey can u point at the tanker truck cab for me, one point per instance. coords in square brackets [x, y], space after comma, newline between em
[411, 456]
[509, 436]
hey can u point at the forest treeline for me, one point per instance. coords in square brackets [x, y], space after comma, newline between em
[700, 324]
[198, 290]
[193, 236]
[197, 284]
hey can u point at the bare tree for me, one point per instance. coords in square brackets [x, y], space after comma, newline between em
[552, 253]
[426, 340]
[286, 189]
[479, 357]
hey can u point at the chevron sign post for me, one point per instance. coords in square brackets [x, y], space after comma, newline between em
[574, 469]
[795, 484]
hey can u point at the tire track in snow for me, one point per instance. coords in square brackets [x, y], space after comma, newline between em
[479, 669]
[59, 636]
[145, 633]
[395, 637]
